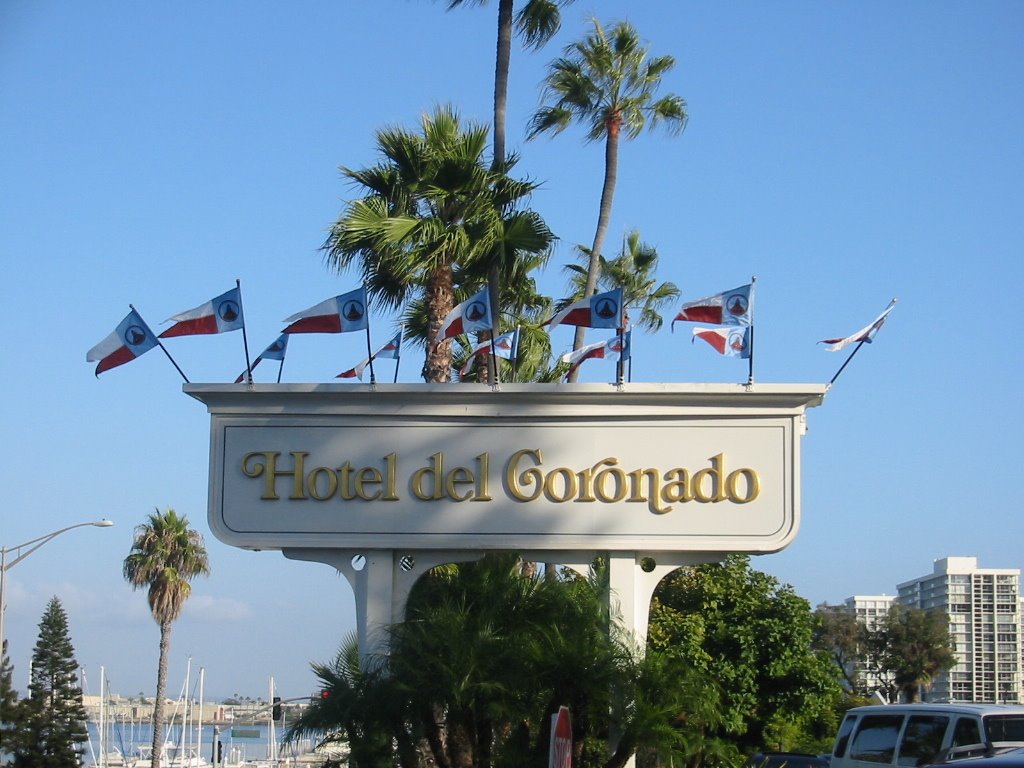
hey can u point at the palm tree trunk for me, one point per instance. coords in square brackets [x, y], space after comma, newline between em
[440, 300]
[611, 172]
[161, 690]
[502, 60]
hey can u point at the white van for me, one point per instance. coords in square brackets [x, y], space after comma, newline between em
[912, 735]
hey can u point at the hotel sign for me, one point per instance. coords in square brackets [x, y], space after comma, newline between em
[665, 468]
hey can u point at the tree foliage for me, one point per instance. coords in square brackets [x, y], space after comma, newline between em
[909, 647]
[841, 636]
[486, 655]
[434, 217]
[52, 719]
[10, 706]
[753, 635]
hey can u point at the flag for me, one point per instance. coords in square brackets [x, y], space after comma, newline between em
[131, 339]
[392, 349]
[275, 351]
[218, 315]
[602, 310]
[731, 342]
[616, 345]
[340, 314]
[506, 346]
[867, 333]
[729, 308]
[472, 315]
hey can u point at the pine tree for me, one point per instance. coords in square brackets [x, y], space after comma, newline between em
[53, 727]
[9, 705]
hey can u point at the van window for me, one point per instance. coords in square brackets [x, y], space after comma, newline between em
[966, 732]
[1004, 728]
[875, 740]
[844, 735]
[922, 740]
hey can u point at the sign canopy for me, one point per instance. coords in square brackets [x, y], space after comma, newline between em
[639, 467]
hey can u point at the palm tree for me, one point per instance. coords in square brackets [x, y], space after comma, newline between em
[536, 22]
[431, 205]
[166, 555]
[633, 270]
[607, 82]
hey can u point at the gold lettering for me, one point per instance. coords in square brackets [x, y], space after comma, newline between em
[619, 479]
[345, 481]
[364, 477]
[568, 484]
[677, 489]
[532, 476]
[714, 474]
[753, 486]
[313, 479]
[483, 493]
[435, 471]
[459, 476]
[391, 477]
[268, 468]
[653, 490]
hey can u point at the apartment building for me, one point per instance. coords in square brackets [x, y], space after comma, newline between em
[984, 606]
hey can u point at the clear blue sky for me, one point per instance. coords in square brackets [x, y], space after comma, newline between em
[152, 153]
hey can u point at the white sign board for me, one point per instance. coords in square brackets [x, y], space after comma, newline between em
[669, 468]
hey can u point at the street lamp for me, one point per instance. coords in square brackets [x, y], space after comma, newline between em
[29, 547]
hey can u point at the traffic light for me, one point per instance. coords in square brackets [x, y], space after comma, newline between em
[277, 709]
[324, 694]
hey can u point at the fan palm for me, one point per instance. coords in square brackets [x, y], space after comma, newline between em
[608, 82]
[633, 270]
[430, 204]
[166, 555]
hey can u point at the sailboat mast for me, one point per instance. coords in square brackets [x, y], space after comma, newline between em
[199, 736]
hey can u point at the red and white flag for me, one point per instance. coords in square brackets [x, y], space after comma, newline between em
[506, 346]
[339, 314]
[276, 351]
[609, 349]
[392, 349]
[218, 315]
[471, 316]
[729, 308]
[602, 310]
[131, 339]
[560, 751]
[867, 333]
[731, 341]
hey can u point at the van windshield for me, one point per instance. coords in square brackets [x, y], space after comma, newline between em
[1002, 729]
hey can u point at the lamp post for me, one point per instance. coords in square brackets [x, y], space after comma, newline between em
[29, 547]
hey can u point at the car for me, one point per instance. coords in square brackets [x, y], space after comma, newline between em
[916, 735]
[787, 760]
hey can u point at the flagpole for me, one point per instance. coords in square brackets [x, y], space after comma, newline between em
[398, 352]
[369, 353]
[750, 360]
[492, 364]
[159, 343]
[515, 353]
[620, 366]
[245, 339]
[280, 368]
[847, 361]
